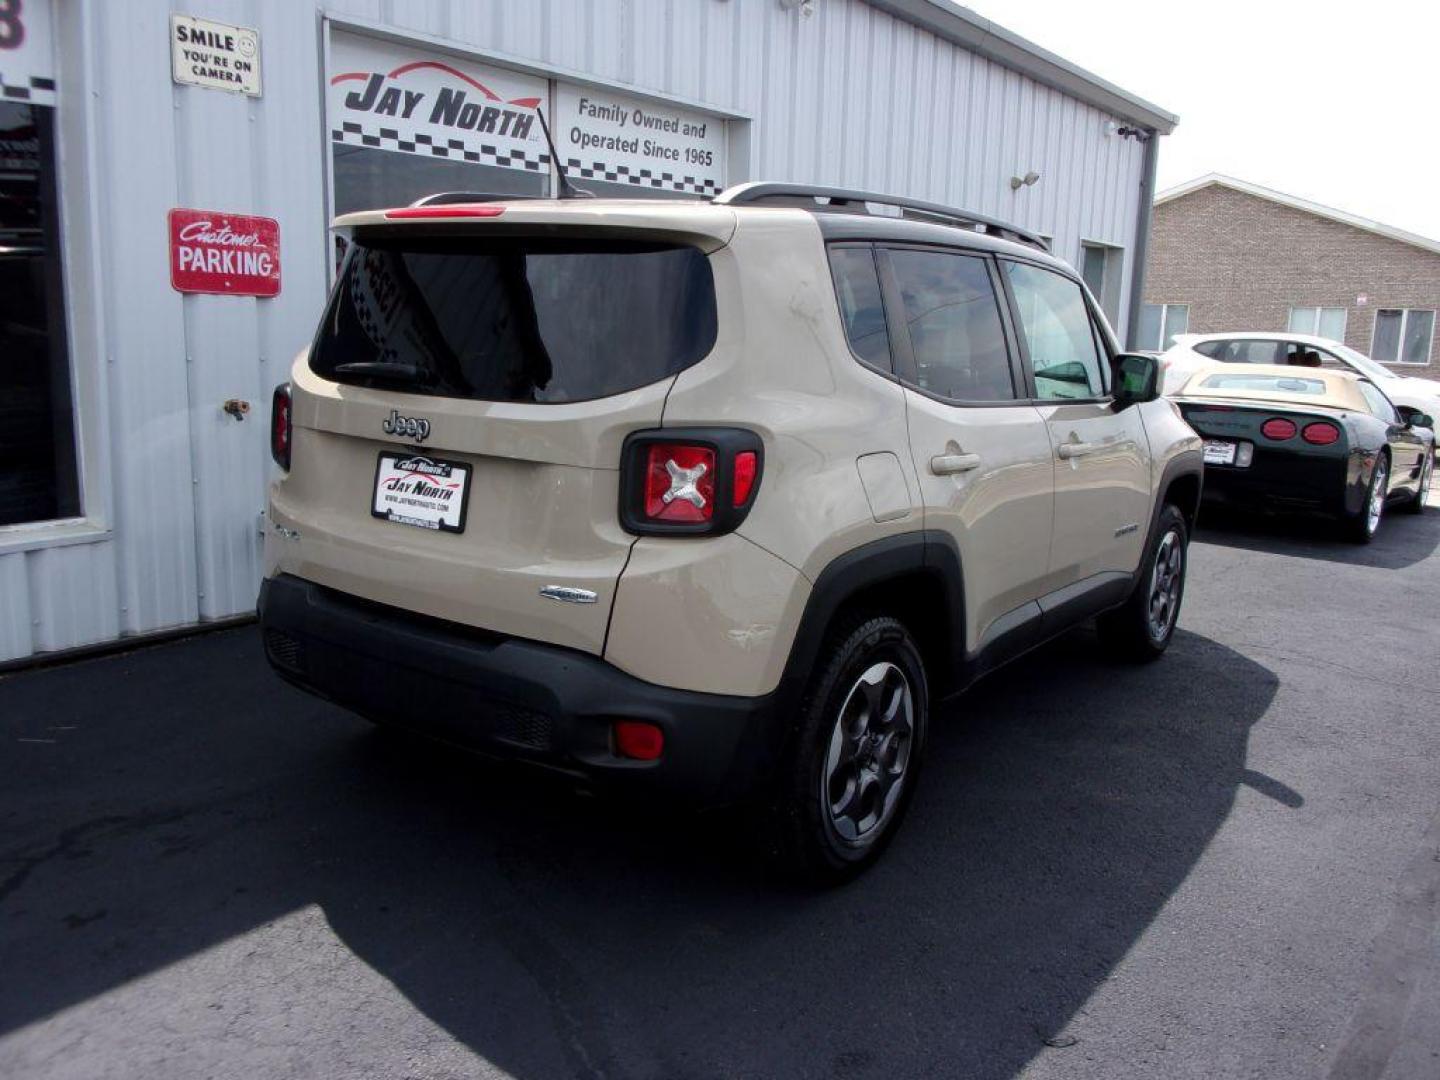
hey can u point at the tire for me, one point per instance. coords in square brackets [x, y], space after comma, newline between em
[1362, 527]
[848, 777]
[1427, 477]
[1130, 631]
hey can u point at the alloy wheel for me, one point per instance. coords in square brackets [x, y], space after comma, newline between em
[1376, 507]
[869, 753]
[1166, 579]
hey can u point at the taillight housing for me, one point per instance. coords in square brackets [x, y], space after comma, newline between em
[1320, 433]
[280, 425]
[1278, 428]
[689, 481]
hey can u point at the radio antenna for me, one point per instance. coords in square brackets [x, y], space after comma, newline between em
[565, 189]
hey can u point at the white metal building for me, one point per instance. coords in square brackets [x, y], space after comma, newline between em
[131, 500]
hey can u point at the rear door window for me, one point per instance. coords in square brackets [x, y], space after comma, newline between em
[953, 316]
[857, 288]
[515, 320]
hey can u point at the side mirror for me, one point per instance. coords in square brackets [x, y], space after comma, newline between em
[1414, 417]
[1136, 379]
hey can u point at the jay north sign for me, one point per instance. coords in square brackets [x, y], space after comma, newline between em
[451, 107]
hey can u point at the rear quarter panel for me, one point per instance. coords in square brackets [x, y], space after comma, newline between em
[781, 367]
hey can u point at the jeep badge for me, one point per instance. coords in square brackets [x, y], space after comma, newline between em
[414, 427]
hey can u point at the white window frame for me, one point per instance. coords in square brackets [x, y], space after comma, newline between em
[1400, 347]
[1314, 330]
[1160, 346]
[77, 117]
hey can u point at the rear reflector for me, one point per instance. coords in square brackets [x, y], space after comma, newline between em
[458, 210]
[1278, 429]
[1320, 434]
[638, 740]
[679, 482]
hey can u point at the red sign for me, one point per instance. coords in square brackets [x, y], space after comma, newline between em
[224, 254]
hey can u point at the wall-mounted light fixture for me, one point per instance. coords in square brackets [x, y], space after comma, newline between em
[806, 7]
[1030, 179]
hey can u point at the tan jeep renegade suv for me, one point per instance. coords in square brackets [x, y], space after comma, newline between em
[713, 499]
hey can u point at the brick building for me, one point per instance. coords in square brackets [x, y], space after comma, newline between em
[1227, 255]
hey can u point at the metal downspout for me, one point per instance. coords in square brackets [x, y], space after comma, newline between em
[1143, 217]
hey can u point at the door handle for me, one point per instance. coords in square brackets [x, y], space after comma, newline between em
[1076, 449]
[948, 464]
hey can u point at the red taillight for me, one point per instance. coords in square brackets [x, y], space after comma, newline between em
[689, 481]
[1321, 434]
[280, 425]
[679, 483]
[457, 210]
[1278, 429]
[747, 467]
[638, 740]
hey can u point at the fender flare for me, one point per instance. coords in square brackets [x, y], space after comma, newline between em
[929, 552]
[1185, 463]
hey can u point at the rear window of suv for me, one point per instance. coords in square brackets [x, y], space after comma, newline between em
[532, 320]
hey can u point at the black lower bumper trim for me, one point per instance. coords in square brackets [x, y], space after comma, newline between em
[512, 697]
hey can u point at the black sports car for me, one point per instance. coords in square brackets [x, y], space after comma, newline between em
[1312, 439]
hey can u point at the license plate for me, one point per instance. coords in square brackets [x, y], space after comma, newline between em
[1218, 452]
[425, 492]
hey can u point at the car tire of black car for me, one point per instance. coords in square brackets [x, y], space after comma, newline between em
[853, 758]
[1361, 527]
[1427, 477]
[1142, 627]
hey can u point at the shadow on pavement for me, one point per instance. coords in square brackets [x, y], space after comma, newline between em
[195, 797]
[1403, 540]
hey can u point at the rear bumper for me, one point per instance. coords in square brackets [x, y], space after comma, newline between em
[510, 697]
[1281, 481]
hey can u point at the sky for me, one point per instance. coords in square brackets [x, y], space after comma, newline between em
[1338, 104]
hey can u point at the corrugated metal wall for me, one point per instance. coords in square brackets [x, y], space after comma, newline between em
[850, 96]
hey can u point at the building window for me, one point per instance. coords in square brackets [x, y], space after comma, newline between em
[1100, 266]
[1159, 323]
[39, 479]
[450, 137]
[1402, 336]
[1326, 322]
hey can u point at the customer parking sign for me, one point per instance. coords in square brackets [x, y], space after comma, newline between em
[224, 254]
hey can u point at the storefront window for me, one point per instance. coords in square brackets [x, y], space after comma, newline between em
[38, 476]
[405, 123]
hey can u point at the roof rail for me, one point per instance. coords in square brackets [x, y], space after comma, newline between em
[843, 200]
[449, 198]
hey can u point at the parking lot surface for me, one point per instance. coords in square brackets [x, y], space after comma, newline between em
[1225, 864]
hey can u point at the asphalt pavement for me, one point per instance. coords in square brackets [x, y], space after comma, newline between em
[1224, 864]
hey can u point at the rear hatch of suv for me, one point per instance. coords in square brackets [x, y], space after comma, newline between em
[457, 423]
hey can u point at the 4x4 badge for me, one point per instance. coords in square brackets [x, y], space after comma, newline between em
[413, 427]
